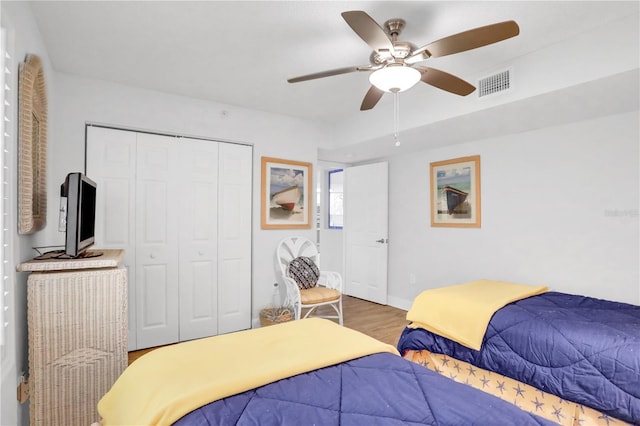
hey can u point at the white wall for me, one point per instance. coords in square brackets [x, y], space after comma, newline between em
[559, 207]
[81, 100]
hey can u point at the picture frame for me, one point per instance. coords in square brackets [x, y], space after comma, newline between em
[286, 194]
[455, 192]
[32, 146]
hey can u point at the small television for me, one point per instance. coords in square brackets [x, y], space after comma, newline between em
[80, 221]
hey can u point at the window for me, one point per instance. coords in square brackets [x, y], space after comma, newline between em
[336, 215]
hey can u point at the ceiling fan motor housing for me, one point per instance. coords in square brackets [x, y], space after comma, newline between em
[401, 49]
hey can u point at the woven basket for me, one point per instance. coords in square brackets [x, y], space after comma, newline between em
[273, 316]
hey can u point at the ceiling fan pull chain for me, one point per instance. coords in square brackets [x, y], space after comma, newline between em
[396, 118]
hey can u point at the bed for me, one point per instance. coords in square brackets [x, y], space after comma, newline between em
[552, 348]
[310, 371]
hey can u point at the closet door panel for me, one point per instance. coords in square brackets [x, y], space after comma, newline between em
[198, 238]
[156, 305]
[156, 240]
[117, 226]
[111, 163]
[234, 237]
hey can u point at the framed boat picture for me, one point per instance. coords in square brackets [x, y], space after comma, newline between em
[286, 194]
[455, 192]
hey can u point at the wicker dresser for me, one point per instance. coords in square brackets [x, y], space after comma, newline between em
[77, 323]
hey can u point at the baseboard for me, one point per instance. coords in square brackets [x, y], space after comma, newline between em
[398, 302]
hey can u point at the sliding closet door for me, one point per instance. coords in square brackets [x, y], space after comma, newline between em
[181, 210]
[111, 163]
[157, 226]
[198, 223]
[234, 237]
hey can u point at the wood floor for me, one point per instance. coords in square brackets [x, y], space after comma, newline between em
[384, 323]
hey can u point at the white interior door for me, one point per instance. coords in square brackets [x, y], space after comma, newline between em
[157, 240]
[111, 163]
[198, 205]
[366, 231]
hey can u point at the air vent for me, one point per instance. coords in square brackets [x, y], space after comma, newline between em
[495, 83]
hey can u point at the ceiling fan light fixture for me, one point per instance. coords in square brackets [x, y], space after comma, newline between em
[395, 78]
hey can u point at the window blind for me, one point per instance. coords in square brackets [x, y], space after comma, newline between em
[7, 84]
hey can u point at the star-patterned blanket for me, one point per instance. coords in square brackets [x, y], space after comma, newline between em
[528, 398]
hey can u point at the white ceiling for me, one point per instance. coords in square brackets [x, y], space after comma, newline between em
[242, 52]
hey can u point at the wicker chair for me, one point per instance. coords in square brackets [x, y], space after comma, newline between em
[328, 291]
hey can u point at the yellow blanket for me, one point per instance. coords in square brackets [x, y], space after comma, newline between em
[167, 383]
[462, 312]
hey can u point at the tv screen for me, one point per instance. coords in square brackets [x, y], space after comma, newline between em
[80, 192]
[87, 210]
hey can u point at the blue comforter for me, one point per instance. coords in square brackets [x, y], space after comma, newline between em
[379, 389]
[579, 348]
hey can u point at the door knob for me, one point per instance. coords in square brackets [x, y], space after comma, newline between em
[381, 241]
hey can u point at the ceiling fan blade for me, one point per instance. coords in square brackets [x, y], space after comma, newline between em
[329, 73]
[371, 98]
[467, 40]
[368, 30]
[446, 81]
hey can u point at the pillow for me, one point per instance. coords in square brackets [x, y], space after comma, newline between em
[304, 272]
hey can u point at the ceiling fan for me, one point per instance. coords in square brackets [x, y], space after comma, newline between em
[394, 62]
